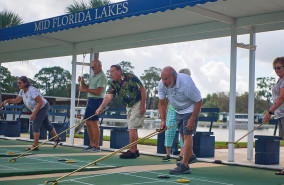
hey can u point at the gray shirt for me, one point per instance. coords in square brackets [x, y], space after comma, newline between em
[279, 112]
[183, 95]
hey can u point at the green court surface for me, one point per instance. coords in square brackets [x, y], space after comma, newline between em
[35, 165]
[113, 170]
[12, 142]
[226, 175]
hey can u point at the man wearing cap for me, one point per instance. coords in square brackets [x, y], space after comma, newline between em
[186, 99]
[131, 92]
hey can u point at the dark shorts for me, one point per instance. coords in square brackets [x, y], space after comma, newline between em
[281, 126]
[92, 106]
[41, 119]
[182, 120]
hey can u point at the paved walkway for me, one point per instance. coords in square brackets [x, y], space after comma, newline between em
[240, 154]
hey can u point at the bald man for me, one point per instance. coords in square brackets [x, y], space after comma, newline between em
[96, 91]
[186, 99]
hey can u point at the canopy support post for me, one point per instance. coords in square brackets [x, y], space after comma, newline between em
[73, 96]
[251, 96]
[232, 98]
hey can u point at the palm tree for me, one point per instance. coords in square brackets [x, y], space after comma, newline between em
[8, 19]
[80, 6]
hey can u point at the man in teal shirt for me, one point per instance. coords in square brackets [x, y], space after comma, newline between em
[96, 91]
[131, 92]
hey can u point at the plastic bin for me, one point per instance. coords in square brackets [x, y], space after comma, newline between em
[59, 127]
[13, 129]
[204, 144]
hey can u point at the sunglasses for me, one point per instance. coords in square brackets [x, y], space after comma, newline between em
[92, 67]
[19, 83]
[277, 68]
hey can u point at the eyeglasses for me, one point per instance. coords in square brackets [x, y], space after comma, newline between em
[277, 68]
[92, 67]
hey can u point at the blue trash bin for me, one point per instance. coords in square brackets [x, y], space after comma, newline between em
[267, 149]
[119, 137]
[161, 149]
[59, 127]
[25, 122]
[204, 144]
[13, 129]
[3, 127]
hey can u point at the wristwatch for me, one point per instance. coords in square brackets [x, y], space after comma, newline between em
[270, 112]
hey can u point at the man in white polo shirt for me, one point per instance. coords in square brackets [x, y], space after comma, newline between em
[186, 99]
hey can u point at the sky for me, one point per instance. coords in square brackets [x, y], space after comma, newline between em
[208, 60]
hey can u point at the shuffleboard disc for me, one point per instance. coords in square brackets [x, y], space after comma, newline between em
[10, 152]
[163, 176]
[63, 160]
[70, 161]
[183, 180]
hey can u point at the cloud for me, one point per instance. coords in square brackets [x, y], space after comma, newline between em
[208, 60]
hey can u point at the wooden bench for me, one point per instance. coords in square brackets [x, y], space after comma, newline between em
[267, 148]
[203, 142]
[119, 136]
[11, 128]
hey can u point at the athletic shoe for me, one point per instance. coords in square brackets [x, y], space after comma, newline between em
[86, 149]
[191, 160]
[128, 155]
[94, 149]
[179, 158]
[166, 158]
[181, 169]
[137, 153]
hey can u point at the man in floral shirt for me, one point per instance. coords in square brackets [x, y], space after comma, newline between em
[132, 94]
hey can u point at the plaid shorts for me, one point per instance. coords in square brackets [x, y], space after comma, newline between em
[170, 134]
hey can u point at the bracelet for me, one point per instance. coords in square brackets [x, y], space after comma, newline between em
[270, 112]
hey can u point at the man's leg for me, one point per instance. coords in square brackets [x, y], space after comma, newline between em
[93, 133]
[187, 149]
[133, 135]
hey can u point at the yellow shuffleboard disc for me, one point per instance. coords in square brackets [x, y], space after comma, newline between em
[70, 161]
[10, 152]
[183, 180]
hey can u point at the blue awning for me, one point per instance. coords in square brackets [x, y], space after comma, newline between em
[95, 16]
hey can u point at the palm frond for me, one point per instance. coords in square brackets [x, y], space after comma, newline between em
[9, 19]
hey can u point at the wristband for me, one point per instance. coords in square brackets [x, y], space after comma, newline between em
[270, 112]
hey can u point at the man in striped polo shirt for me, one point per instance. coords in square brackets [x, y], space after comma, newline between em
[186, 99]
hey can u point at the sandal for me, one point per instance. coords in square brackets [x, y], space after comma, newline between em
[280, 173]
[32, 148]
[56, 142]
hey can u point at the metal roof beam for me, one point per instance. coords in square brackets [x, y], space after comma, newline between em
[210, 14]
[52, 41]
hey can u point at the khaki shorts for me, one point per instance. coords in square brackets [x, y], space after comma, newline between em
[134, 119]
